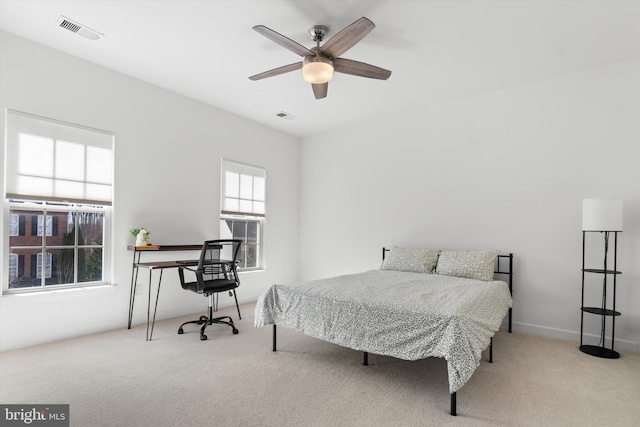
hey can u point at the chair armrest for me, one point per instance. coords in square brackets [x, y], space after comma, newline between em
[181, 275]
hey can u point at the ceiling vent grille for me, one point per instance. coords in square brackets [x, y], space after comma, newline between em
[285, 115]
[74, 27]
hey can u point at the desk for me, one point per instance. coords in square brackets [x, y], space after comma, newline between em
[155, 265]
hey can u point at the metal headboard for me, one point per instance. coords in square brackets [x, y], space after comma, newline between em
[507, 259]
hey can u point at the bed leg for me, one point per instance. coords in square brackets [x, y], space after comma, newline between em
[491, 351]
[453, 404]
[366, 359]
[274, 337]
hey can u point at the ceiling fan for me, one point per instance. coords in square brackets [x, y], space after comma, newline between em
[319, 63]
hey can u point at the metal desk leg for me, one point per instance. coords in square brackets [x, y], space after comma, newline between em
[155, 309]
[134, 283]
[149, 303]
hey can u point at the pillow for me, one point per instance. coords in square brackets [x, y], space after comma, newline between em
[477, 265]
[410, 259]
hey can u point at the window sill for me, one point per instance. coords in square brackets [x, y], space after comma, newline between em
[64, 293]
[257, 270]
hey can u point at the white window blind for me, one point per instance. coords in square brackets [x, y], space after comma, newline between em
[243, 189]
[56, 161]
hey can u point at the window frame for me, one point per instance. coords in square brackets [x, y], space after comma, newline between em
[255, 206]
[259, 239]
[41, 208]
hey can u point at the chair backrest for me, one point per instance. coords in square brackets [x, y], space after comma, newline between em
[218, 259]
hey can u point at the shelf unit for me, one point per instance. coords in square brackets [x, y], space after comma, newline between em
[601, 350]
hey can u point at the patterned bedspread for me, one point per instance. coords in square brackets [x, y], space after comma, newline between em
[405, 315]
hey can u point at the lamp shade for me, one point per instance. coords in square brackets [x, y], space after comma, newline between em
[316, 69]
[602, 215]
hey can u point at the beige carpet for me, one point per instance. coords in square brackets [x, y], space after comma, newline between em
[119, 379]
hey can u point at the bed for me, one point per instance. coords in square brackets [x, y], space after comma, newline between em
[420, 303]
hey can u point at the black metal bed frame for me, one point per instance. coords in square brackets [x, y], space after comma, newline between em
[498, 270]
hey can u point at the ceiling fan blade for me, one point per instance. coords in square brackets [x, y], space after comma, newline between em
[347, 38]
[283, 41]
[320, 90]
[355, 68]
[277, 71]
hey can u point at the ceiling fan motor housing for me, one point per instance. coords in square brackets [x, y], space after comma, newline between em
[318, 32]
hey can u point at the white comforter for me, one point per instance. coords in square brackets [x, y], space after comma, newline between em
[405, 315]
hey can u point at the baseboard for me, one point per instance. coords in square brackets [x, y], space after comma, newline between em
[567, 335]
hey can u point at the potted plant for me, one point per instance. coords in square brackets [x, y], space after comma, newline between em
[141, 234]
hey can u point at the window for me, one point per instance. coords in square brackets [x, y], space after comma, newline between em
[40, 226]
[46, 267]
[246, 230]
[14, 225]
[58, 193]
[70, 255]
[13, 268]
[243, 191]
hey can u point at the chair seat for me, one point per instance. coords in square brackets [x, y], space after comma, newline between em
[211, 286]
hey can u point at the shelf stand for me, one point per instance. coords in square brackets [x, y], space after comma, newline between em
[601, 350]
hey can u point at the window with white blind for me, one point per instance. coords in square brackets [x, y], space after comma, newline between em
[243, 210]
[59, 179]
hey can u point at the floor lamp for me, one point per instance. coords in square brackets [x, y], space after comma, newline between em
[603, 216]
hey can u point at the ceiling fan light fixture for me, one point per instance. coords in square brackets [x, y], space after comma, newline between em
[320, 62]
[317, 70]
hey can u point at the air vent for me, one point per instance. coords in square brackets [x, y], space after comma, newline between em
[74, 27]
[285, 115]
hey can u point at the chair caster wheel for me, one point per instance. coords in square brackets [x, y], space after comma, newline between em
[235, 331]
[180, 331]
[203, 318]
[203, 337]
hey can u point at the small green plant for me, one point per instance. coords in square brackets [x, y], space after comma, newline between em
[135, 231]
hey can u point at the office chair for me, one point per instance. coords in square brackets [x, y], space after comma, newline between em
[215, 273]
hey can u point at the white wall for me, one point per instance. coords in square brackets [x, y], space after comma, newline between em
[167, 167]
[504, 170]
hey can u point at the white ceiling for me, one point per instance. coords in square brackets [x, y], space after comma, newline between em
[438, 51]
